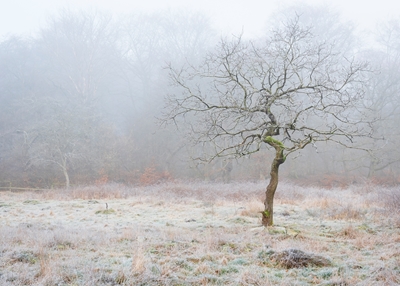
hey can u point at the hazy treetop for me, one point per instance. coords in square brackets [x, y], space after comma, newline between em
[27, 16]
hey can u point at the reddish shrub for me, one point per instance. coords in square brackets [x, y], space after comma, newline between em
[152, 176]
[103, 178]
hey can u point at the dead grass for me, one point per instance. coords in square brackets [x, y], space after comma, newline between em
[139, 260]
[295, 258]
[197, 233]
[252, 208]
[391, 204]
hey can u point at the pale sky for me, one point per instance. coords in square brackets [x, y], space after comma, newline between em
[229, 16]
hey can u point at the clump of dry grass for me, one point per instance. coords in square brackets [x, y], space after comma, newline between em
[295, 258]
[349, 232]
[252, 208]
[346, 212]
[139, 260]
[45, 263]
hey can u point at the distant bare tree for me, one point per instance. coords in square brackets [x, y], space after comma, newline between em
[383, 97]
[77, 53]
[148, 43]
[18, 77]
[286, 92]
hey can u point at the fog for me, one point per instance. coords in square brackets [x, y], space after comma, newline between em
[83, 87]
[25, 17]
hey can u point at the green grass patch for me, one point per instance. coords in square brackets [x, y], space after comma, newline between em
[31, 202]
[106, 212]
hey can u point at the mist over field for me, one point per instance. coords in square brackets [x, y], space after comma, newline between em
[82, 98]
[140, 144]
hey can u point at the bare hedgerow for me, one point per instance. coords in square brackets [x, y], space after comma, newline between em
[391, 200]
[391, 204]
[346, 212]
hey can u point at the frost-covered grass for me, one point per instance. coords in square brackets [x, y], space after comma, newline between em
[199, 234]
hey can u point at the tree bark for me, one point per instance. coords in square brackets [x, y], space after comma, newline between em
[66, 176]
[268, 213]
[65, 172]
[371, 169]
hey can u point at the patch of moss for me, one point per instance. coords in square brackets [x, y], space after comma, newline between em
[239, 261]
[25, 257]
[63, 246]
[227, 270]
[273, 141]
[211, 279]
[77, 206]
[364, 227]
[184, 265]
[240, 220]
[109, 211]
[2, 204]
[265, 254]
[326, 274]
[31, 202]
[277, 230]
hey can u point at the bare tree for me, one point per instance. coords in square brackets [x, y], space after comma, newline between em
[148, 43]
[285, 93]
[384, 98]
[18, 78]
[76, 56]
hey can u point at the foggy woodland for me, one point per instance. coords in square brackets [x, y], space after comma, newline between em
[82, 102]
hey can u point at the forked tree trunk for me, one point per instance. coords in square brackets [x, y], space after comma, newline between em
[268, 213]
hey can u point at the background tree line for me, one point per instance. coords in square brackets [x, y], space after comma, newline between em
[79, 102]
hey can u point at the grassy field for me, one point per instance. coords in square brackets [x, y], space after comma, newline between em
[200, 234]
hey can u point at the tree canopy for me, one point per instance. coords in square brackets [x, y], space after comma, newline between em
[287, 91]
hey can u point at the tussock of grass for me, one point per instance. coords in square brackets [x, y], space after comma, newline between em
[108, 211]
[295, 258]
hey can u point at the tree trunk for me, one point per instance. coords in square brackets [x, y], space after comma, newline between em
[268, 213]
[371, 170]
[65, 172]
[66, 176]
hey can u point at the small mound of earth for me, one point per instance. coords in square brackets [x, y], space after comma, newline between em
[295, 258]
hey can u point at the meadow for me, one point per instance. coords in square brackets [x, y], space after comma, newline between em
[198, 233]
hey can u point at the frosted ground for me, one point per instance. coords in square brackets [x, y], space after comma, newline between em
[199, 234]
